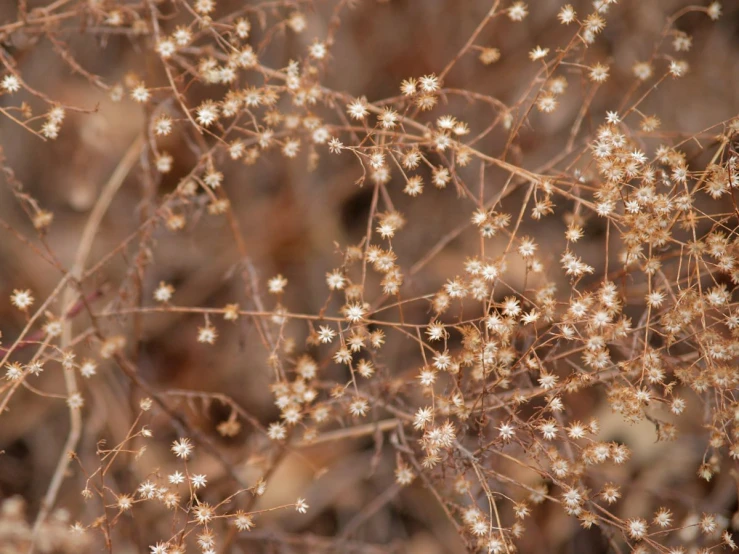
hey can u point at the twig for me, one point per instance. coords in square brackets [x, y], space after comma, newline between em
[83, 250]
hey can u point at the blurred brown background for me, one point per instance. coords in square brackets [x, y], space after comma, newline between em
[291, 218]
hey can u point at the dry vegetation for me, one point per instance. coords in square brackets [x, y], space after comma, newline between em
[369, 276]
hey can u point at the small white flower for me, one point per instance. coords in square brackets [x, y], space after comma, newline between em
[527, 247]
[335, 280]
[443, 361]
[56, 115]
[53, 328]
[243, 522]
[276, 431]
[335, 146]
[599, 73]
[162, 126]
[246, 57]
[388, 118]
[36, 367]
[140, 94]
[297, 22]
[427, 377]
[160, 548]
[326, 334]
[198, 481]
[277, 284]
[567, 14]
[166, 48]
[22, 299]
[548, 429]
[14, 371]
[343, 356]
[358, 407]
[677, 406]
[318, 50]
[655, 299]
[506, 431]
[547, 103]
[124, 502]
[547, 381]
[147, 489]
[538, 53]
[164, 163]
[207, 113]
[714, 10]
[176, 478]
[50, 130]
[429, 83]
[518, 11]
[576, 430]
[182, 448]
[11, 83]
[358, 109]
[242, 28]
[291, 148]
[204, 7]
[301, 506]
[678, 68]
[164, 292]
[436, 331]
[423, 417]
[75, 401]
[182, 36]
[636, 528]
[404, 475]
[354, 312]
[207, 334]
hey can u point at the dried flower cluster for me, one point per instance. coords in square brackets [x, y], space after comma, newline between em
[499, 324]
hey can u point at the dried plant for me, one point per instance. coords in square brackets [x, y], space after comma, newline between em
[301, 293]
